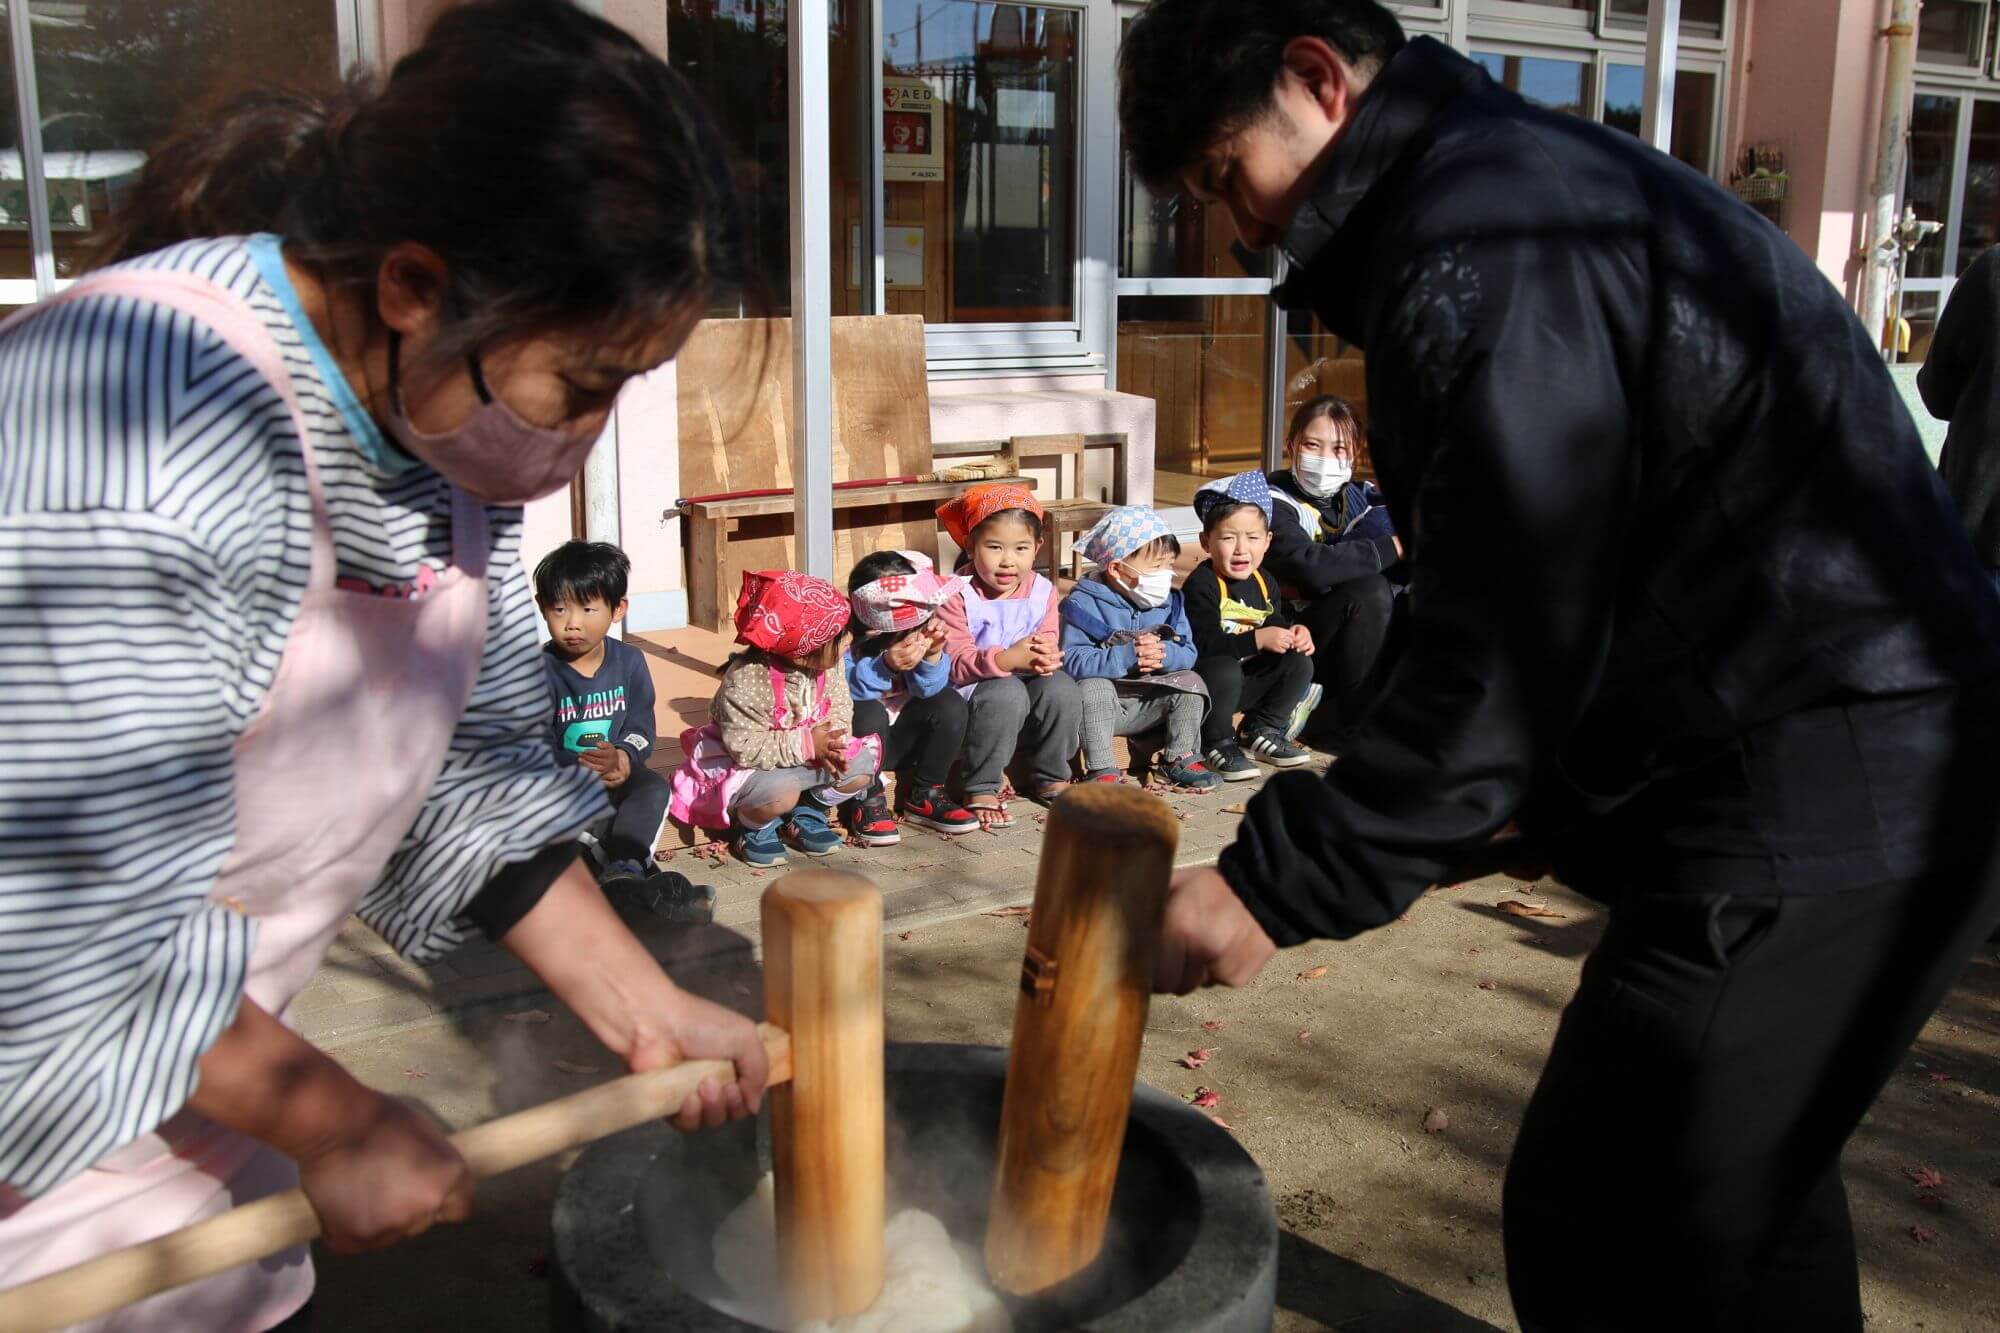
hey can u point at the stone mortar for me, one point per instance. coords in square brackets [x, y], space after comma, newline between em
[1192, 1244]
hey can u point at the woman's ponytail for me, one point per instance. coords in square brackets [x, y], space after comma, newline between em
[239, 166]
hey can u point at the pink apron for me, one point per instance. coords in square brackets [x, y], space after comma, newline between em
[1002, 622]
[706, 783]
[329, 776]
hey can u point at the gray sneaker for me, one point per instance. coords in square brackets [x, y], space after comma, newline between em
[1303, 713]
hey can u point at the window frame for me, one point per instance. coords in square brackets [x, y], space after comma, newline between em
[1075, 345]
[1597, 61]
[1490, 21]
[357, 27]
[1982, 68]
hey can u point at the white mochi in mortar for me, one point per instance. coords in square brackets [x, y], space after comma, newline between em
[930, 1284]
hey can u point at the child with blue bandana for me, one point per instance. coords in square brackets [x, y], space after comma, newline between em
[1250, 654]
[1126, 640]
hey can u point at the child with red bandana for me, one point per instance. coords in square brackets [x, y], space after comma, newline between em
[778, 756]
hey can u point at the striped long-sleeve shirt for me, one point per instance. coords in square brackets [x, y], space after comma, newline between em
[155, 532]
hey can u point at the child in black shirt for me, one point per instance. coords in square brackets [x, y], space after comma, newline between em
[1251, 656]
[601, 701]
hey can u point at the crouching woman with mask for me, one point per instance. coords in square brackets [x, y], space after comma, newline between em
[1336, 552]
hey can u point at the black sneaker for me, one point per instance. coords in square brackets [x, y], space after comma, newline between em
[1274, 749]
[1228, 762]
[672, 895]
[870, 823]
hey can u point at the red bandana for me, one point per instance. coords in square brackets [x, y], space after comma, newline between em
[788, 613]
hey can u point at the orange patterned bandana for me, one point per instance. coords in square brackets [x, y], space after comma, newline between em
[969, 510]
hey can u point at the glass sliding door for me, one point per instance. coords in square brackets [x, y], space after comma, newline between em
[1194, 335]
[1952, 177]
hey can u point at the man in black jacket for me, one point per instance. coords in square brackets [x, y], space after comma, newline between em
[1960, 383]
[1687, 602]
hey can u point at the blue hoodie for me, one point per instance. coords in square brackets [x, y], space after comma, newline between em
[1095, 610]
[871, 678]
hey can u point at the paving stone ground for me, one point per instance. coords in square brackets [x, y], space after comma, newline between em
[365, 987]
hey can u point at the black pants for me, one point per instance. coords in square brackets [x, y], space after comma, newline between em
[1677, 1168]
[1264, 687]
[1350, 627]
[638, 809]
[924, 740]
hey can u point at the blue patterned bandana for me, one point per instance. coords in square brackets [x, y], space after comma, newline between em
[1121, 532]
[1250, 488]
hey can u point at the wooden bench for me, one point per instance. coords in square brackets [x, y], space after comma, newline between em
[727, 537]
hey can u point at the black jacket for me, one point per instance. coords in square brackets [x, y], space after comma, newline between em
[1316, 554]
[1679, 561]
[1960, 383]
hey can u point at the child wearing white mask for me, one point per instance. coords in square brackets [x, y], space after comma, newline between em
[1125, 639]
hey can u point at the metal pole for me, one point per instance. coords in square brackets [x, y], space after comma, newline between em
[812, 288]
[1885, 186]
[874, 260]
[34, 172]
[1663, 48]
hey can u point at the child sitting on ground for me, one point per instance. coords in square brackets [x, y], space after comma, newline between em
[1126, 640]
[601, 702]
[778, 751]
[1251, 656]
[901, 682]
[1002, 635]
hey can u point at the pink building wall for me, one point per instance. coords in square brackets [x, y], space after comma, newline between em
[1810, 77]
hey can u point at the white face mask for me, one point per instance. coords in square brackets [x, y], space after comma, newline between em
[1152, 590]
[1324, 474]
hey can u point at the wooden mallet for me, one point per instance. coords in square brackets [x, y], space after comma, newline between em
[1086, 981]
[823, 984]
[275, 1224]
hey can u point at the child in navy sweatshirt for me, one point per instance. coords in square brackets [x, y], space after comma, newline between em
[601, 697]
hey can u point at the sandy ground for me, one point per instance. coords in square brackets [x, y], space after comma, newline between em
[1327, 1081]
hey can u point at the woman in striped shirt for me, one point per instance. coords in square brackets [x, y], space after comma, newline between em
[270, 656]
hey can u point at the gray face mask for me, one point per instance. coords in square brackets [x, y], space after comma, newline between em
[495, 456]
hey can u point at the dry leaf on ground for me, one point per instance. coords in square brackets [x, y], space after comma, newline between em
[1436, 1121]
[1938, 1076]
[1925, 1177]
[1238, 809]
[1933, 1202]
[1022, 910]
[905, 935]
[1203, 1099]
[568, 1068]
[526, 1016]
[1212, 1025]
[1313, 974]
[1305, 1036]
[1515, 907]
[1195, 1059]
[1487, 985]
[1923, 1235]
[416, 1073]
